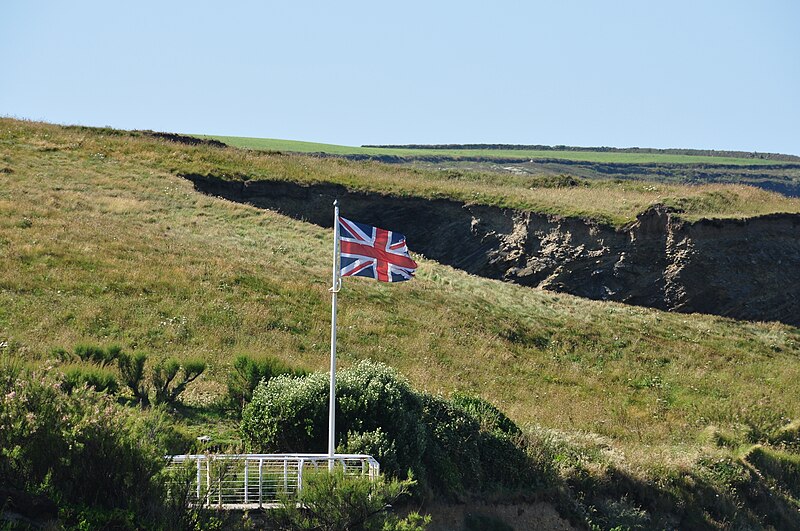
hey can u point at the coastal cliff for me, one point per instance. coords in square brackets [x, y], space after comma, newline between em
[741, 268]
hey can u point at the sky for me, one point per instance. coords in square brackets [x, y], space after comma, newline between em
[692, 74]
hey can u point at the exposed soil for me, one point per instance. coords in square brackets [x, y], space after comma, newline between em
[184, 139]
[746, 269]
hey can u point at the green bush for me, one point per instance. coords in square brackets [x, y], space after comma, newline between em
[165, 386]
[99, 379]
[452, 455]
[248, 372]
[332, 501]
[98, 355]
[375, 443]
[82, 450]
[131, 370]
[167, 378]
[490, 418]
[290, 414]
[449, 449]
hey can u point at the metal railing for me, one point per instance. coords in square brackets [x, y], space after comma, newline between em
[248, 481]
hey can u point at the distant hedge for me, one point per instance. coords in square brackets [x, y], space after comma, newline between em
[464, 445]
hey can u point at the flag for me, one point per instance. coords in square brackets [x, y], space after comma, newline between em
[368, 251]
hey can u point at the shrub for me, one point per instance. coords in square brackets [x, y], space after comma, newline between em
[131, 370]
[165, 387]
[291, 413]
[81, 450]
[490, 418]
[442, 443]
[335, 501]
[452, 456]
[96, 378]
[287, 414]
[98, 355]
[168, 378]
[375, 443]
[248, 372]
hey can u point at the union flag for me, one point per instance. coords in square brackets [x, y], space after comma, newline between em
[368, 251]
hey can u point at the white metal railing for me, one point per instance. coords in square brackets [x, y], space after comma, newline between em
[247, 481]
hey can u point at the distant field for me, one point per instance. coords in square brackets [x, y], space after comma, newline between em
[271, 144]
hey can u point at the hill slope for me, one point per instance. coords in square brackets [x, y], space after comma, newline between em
[100, 245]
[102, 242]
[727, 267]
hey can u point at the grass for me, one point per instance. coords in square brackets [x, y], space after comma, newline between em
[100, 245]
[613, 202]
[295, 146]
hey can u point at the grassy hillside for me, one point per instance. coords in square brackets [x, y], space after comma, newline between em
[273, 144]
[102, 243]
[614, 202]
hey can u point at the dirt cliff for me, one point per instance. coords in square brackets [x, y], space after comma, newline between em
[746, 269]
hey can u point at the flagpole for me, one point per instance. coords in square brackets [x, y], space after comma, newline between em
[336, 284]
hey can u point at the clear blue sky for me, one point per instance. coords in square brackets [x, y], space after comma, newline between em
[701, 74]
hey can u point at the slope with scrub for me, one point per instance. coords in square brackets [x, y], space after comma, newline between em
[101, 242]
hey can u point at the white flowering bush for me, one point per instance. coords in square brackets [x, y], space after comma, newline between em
[249, 371]
[450, 448]
[290, 414]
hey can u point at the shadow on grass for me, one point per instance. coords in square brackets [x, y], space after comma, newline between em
[724, 493]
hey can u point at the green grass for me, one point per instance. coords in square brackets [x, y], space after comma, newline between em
[612, 202]
[101, 243]
[295, 146]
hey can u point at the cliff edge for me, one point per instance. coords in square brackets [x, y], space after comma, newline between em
[745, 269]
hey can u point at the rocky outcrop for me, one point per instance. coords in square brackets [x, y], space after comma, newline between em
[746, 269]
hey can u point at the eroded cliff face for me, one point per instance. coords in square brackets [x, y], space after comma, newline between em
[746, 269]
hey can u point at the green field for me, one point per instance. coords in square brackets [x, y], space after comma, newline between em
[102, 242]
[294, 146]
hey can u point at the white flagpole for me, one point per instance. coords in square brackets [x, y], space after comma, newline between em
[334, 291]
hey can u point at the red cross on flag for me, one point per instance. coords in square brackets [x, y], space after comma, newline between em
[368, 251]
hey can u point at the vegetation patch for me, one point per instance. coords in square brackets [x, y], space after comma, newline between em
[95, 462]
[101, 243]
